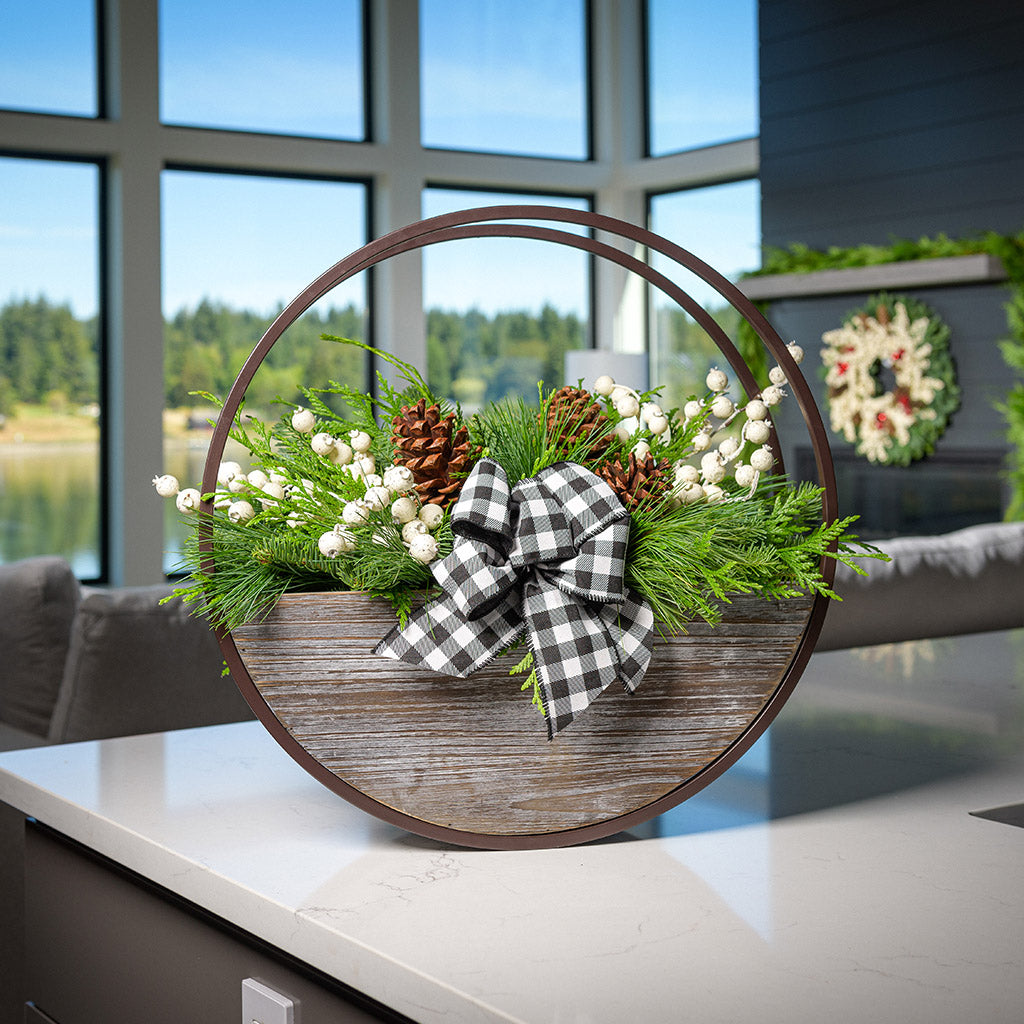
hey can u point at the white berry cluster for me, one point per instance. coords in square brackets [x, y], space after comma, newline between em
[715, 412]
[638, 417]
[692, 483]
[394, 488]
[239, 493]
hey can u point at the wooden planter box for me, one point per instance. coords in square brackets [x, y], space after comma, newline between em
[468, 760]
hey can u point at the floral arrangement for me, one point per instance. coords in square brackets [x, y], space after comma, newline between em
[585, 522]
[900, 337]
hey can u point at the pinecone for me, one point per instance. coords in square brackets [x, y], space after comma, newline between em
[573, 414]
[639, 480]
[438, 455]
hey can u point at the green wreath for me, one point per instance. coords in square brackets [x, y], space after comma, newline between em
[891, 380]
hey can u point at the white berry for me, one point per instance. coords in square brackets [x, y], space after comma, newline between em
[431, 516]
[423, 547]
[398, 479]
[623, 431]
[274, 493]
[329, 544]
[403, 510]
[658, 425]
[355, 512]
[336, 542]
[692, 408]
[691, 492]
[377, 498]
[757, 431]
[650, 410]
[322, 444]
[413, 528]
[360, 440]
[722, 407]
[702, 442]
[745, 475]
[729, 447]
[258, 479]
[795, 351]
[713, 492]
[303, 421]
[627, 405]
[777, 375]
[641, 450]
[756, 409]
[341, 454]
[711, 468]
[166, 485]
[717, 380]
[772, 395]
[228, 471]
[240, 511]
[686, 474]
[188, 500]
[237, 484]
[603, 385]
[762, 459]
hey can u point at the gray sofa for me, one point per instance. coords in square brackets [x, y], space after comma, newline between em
[82, 663]
[970, 581]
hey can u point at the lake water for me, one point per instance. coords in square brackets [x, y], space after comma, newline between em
[49, 502]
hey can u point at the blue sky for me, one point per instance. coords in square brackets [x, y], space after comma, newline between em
[256, 242]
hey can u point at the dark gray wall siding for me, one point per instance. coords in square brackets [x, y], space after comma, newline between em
[890, 120]
[883, 120]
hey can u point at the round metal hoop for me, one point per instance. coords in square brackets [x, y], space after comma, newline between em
[504, 221]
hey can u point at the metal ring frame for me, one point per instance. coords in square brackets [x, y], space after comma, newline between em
[495, 222]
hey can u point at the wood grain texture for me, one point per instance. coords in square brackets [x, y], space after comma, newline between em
[473, 754]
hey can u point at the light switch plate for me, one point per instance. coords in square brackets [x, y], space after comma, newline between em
[263, 1005]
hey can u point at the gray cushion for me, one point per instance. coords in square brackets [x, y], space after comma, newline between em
[38, 599]
[136, 666]
[969, 581]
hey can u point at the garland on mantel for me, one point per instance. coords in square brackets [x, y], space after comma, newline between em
[801, 259]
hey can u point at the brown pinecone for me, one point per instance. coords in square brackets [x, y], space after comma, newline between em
[573, 414]
[439, 455]
[639, 480]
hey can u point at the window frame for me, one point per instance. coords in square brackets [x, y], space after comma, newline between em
[133, 148]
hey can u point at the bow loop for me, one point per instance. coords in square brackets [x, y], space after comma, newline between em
[542, 533]
[547, 556]
[484, 508]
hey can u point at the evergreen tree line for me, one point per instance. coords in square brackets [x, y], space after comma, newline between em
[48, 356]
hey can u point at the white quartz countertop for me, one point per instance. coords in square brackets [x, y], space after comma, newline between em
[834, 874]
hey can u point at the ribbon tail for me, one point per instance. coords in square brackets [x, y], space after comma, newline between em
[632, 626]
[439, 637]
[573, 650]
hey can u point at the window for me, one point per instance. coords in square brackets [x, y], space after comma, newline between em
[245, 162]
[236, 250]
[501, 312]
[702, 73]
[48, 57]
[504, 77]
[272, 66]
[49, 382]
[721, 225]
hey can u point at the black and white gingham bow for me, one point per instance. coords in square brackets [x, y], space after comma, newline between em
[547, 557]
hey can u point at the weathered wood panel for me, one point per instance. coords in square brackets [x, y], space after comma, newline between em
[473, 754]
